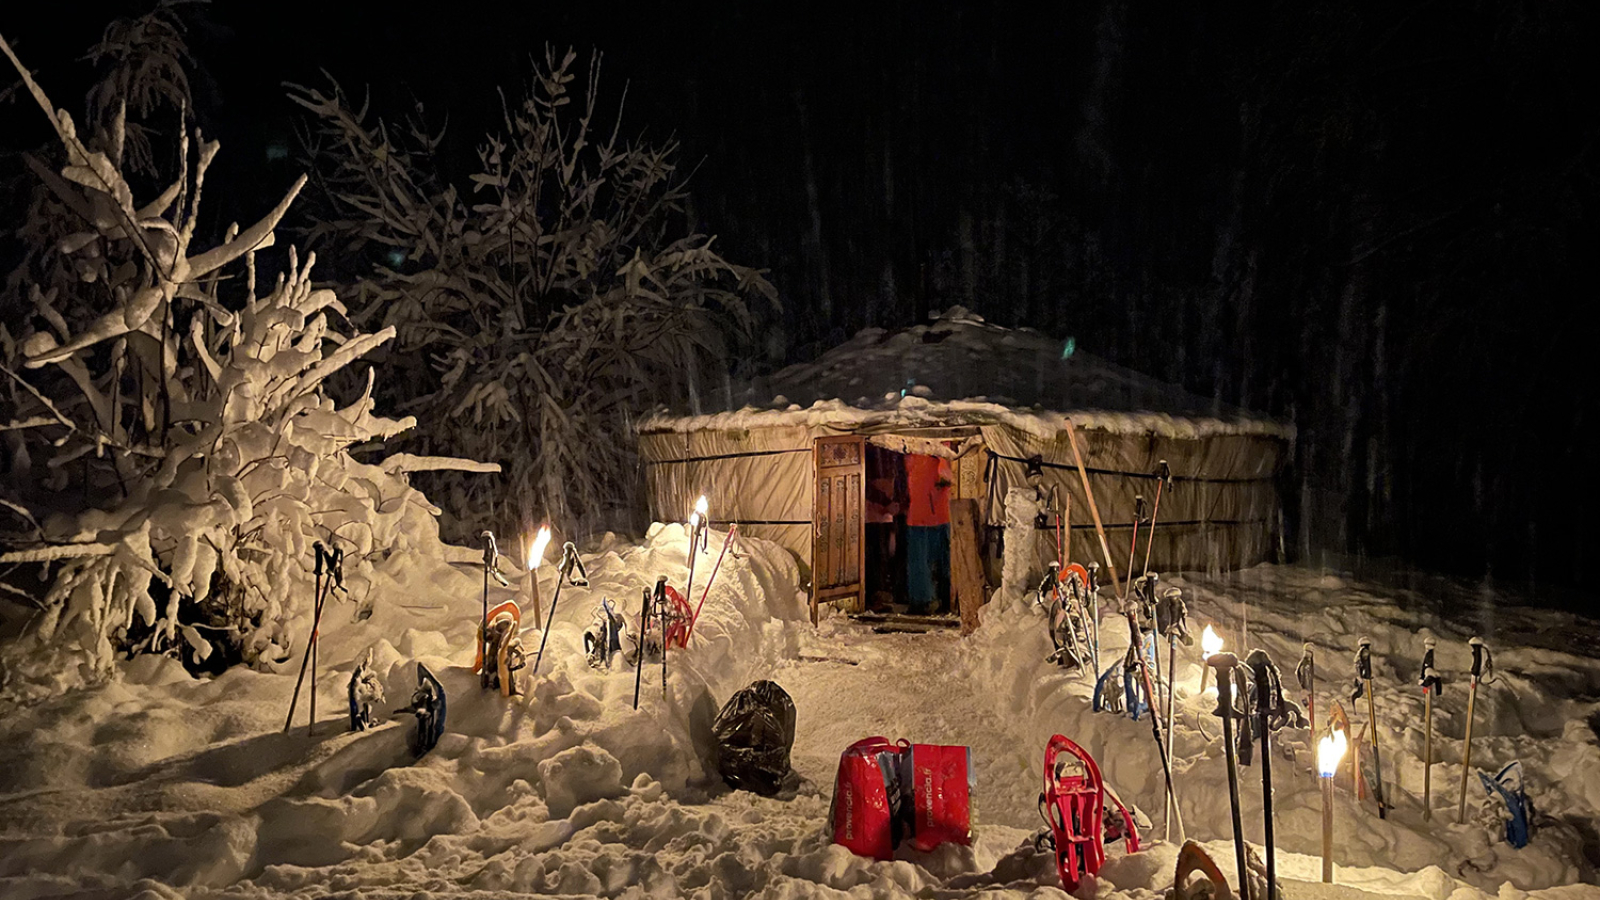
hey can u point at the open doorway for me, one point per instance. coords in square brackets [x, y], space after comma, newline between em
[907, 532]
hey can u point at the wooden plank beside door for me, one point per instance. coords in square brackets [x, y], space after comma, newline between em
[838, 532]
[966, 564]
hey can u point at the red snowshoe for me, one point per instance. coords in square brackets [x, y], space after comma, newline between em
[867, 798]
[1073, 803]
[679, 617]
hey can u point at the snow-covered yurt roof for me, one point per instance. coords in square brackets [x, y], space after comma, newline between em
[960, 370]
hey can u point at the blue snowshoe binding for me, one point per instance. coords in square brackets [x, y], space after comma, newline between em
[1519, 809]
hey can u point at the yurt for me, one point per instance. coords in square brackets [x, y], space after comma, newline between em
[808, 459]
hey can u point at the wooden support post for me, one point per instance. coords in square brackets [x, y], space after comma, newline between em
[966, 565]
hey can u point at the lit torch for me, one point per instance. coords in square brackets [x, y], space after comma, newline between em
[530, 578]
[1330, 750]
[1210, 643]
[698, 521]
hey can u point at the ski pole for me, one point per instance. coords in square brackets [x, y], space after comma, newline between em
[1177, 615]
[1482, 660]
[491, 554]
[1138, 516]
[638, 657]
[1269, 702]
[661, 610]
[335, 560]
[569, 561]
[1164, 478]
[1306, 674]
[1155, 718]
[1430, 683]
[1224, 663]
[733, 535]
[316, 616]
[1364, 674]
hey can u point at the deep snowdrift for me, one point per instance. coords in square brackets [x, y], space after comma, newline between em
[161, 783]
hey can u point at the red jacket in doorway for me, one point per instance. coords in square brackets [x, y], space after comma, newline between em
[928, 479]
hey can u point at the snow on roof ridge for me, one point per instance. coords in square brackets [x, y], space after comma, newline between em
[958, 369]
[916, 412]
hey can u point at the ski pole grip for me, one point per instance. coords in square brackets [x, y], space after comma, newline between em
[1261, 667]
[1222, 661]
[1477, 658]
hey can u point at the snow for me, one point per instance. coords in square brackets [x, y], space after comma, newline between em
[943, 374]
[158, 785]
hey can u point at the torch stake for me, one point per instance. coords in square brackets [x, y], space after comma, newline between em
[1327, 828]
[733, 535]
[1224, 664]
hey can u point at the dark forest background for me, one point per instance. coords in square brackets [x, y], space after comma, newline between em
[1369, 219]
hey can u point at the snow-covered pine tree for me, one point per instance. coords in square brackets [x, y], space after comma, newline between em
[539, 308]
[178, 409]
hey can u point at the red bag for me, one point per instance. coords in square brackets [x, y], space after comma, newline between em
[867, 798]
[942, 781]
[889, 790]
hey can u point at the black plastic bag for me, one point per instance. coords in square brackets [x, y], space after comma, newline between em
[754, 734]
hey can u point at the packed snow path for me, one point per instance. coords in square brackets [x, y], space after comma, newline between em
[161, 784]
[909, 686]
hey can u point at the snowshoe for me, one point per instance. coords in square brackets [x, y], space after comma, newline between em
[602, 641]
[1192, 859]
[1518, 812]
[365, 691]
[1125, 823]
[1073, 804]
[1108, 691]
[503, 645]
[428, 705]
[677, 613]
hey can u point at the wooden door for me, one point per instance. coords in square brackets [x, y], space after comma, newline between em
[838, 524]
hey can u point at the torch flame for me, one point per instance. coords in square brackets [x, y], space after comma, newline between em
[536, 553]
[1210, 643]
[1330, 750]
[699, 514]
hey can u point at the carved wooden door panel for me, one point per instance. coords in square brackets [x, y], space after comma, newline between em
[838, 526]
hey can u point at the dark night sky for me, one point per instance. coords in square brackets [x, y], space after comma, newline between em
[1373, 219]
